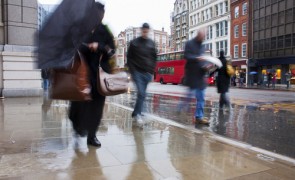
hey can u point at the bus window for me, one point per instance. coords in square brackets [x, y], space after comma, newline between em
[177, 56]
[158, 58]
[181, 55]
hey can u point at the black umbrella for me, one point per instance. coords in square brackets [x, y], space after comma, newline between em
[65, 30]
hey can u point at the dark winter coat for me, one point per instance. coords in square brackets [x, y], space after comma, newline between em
[142, 55]
[223, 79]
[104, 37]
[195, 75]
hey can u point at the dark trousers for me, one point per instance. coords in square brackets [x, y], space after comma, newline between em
[141, 80]
[86, 116]
[224, 100]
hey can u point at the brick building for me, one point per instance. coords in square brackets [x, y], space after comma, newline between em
[274, 38]
[239, 34]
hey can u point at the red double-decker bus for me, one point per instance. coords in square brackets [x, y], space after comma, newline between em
[170, 68]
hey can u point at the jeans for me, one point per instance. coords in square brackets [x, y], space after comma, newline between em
[45, 84]
[141, 80]
[200, 96]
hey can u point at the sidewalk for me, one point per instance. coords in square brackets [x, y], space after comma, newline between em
[36, 143]
[279, 87]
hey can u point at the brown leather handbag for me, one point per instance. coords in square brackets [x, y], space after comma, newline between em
[111, 84]
[71, 83]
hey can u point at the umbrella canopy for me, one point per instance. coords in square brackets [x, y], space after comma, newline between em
[253, 72]
[65, 30]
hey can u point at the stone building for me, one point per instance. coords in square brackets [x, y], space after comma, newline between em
[212, 16]
[18, 25]
[180, 25]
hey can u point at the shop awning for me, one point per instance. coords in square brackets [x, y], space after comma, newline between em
[239, 63]
[275, 61]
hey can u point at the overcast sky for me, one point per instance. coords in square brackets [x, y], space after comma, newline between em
[121, 14]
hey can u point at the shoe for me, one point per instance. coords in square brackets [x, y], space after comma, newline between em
[93, 141]
[138, 119]
[203, 121]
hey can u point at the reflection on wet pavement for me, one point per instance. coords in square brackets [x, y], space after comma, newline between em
[262, 125]
[36, 143]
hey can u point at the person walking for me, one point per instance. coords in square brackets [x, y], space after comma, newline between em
[141, 60]
[195, 74]
[223, 82]
[269, 78]
[45, 74]
[288, 79]
[274, 80]
[86, 115]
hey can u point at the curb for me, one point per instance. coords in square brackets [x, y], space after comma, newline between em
[228, 141]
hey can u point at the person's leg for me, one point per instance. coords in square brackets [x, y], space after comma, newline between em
[96, 110]
[140, 82]
[200, 96]
[221, 100]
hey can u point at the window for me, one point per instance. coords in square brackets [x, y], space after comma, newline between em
[236, 51]
[244, 29]
[294, 40]
[195, 20]
[281, 18]
[256, 24]
[288, 40]
[216, 10]
[255, 46]
[281, 42]
[209, 33]
[289, 15]
[211, 12]
[221, 8]
[221, 28]
[226, 6]
[267, 44]
[244, 50]
[120, 51]
[245, 9]
[273, 43]
[237, 12]
[221, 45]
[261, 45]
[267, 22]
[262, 23]
[236, 31]
[274, 19]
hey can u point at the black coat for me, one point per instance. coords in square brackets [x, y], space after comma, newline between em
[195, 75]
[223, 79]
[65, 30]
[142, 55]
[104, 37]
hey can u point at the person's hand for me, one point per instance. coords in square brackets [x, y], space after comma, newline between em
[93, 46]
[200, 58]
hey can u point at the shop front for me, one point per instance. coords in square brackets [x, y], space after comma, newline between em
[240, 67]
[279, 67]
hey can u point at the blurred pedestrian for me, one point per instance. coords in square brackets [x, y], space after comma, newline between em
[195, 74]
[45, 74]
[288, 79]
[86, 115]
[141, 60]
[274, 80]
[264, 79]
[269, 78]
[223, 82]
[242, 78]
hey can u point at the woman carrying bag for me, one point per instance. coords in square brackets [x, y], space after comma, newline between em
[223, 82]
[86, 115]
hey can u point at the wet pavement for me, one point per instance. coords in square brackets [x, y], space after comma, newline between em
[270, 126]
[36, 143]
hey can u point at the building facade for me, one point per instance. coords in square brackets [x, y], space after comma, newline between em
[274, 38]
[18, 25]
[239, 36]
[121, 50]
[180, 25]
[213, 17]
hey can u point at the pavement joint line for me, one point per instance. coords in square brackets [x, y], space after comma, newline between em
[217, 137]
